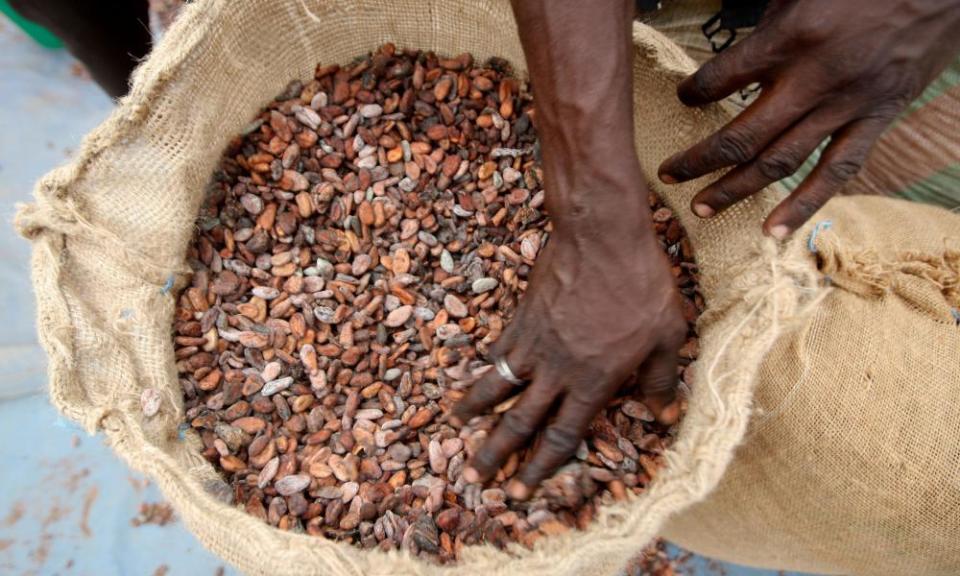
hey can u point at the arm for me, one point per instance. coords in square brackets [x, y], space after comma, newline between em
[838, 70]
[579, 56]
[110, 38]
[601, 301]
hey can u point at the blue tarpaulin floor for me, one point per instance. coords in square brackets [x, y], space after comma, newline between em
[68, 505]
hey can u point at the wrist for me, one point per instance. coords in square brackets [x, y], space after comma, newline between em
[607, 196]
[618, 217]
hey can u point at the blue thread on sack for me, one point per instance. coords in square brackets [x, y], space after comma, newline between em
[956, 315]
[182, 430]
[168, 285]
[822, 225]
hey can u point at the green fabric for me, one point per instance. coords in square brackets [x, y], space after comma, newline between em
[793, 181]
[941, 188]
[40, 34]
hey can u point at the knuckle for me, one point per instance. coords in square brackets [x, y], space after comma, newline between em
[658, 386]
[681, 165]
[888, 94]
[722, 195]
[461, 409]
[464, 412]
[481, 394]
[808, 31]
[485, 459]
[517, 424]
[886, 112]
[466, 404]
[778, 164]
[533, 472]
[806, 205]
[842, 170]
[561, 440]
[734, 146]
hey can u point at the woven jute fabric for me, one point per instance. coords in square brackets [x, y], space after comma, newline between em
[849, 463]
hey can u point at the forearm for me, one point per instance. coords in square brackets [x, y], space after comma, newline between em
[579, 53]
[110, 38]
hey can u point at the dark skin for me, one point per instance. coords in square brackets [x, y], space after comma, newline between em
[110, 38]
[601, 302]
[842, 70]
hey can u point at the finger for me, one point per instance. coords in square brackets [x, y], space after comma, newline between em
[489, 390]
[776, 162]
[515, 345]
[515, 429]
[736, 67]
[558, 444]
[512, 334]
[658, 383]
[841, 160]
[743, 138]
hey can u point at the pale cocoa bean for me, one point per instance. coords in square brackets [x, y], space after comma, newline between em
[268, 472]
[277, 385]
[289, 485]
[398, 317]
[371, 110]
[438, 460]
[329, 492]
[254, 340]
[481, 285]
[454, 306]
[271, 371]
[637, 410]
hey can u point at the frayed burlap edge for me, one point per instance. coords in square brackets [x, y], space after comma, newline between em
[771, 287]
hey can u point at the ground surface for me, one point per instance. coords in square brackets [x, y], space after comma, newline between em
[67, 504]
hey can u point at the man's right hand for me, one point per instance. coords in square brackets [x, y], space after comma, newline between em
[602, 301]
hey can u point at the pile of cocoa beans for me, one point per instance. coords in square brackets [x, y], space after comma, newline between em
[361, 245]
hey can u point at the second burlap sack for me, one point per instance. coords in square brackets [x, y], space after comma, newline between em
[848, 464]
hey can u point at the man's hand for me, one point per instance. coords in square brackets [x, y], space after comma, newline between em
[842, 70]
[599, 304]
[601, 300]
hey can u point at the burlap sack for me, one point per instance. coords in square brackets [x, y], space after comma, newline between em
[850, 464]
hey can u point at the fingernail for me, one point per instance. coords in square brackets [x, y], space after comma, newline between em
[779, 231]
[667, 179]
[703, 211]
[471, 475]
[517, 490]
